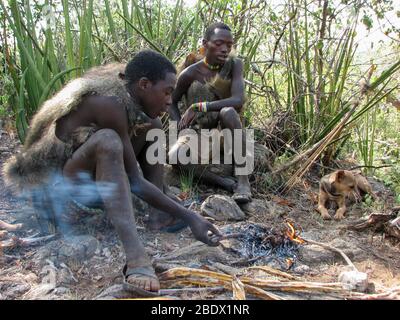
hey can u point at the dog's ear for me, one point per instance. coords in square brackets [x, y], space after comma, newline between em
[340, 175]
[333, 177]
[337, 176]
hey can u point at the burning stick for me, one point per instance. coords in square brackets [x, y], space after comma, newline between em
[24, 242]
[291, 233]
[10, 227]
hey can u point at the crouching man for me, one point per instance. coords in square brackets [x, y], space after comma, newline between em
[95, 125]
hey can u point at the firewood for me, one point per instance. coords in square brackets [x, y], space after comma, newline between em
[254, 291]
[191, 275]
[238, 289]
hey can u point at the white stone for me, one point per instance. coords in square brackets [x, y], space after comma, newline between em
[354, 280]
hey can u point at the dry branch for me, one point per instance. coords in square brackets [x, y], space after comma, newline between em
[391, 294]
[209, 277]
[327, 246]
[380, 221]
[257, 292]
[375, 220]
[238, 289]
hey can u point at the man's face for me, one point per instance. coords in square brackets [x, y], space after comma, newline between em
[219, 45]
[157, 97]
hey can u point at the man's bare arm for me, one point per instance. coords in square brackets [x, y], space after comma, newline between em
[184, 81]
[236, 100]
[113, 116]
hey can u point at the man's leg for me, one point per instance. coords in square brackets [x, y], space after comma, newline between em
[230, 119]
[154, 173]
[105, 161]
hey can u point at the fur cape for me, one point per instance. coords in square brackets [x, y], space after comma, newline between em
[43, 153]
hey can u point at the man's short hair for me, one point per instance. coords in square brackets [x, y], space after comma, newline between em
[211, 29]
[150, 64]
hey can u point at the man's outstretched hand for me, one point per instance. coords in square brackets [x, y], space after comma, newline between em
[186, 119]
[205, 231]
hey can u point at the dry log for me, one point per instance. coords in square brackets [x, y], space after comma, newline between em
[380, 222]
[375, 220]
[191, 274]
[257, 292]
[10, 227]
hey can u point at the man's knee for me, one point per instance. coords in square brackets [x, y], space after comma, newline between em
[109, 142]
[229, 113]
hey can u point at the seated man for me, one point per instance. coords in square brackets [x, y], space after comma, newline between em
[214, 92]
[92, 126]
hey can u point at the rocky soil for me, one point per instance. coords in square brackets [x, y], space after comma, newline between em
[87, 264]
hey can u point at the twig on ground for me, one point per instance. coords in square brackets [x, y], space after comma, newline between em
[329, 247]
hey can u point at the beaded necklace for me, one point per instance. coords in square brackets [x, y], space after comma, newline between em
[212, 67]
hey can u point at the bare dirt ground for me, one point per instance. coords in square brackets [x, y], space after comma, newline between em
[88, 264]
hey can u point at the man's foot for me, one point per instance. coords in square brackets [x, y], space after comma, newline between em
[242, 191]
[141, 280]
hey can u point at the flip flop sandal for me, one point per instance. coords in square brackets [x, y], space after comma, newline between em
[241, 197]
[139, 271]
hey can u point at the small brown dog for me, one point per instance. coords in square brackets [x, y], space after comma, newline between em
[339, 185]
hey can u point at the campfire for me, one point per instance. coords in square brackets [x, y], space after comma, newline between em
[258, 244]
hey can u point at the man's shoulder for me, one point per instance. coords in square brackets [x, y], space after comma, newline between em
[99, 102]
[190, 71]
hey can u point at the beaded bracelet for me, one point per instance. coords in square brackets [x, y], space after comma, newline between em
[201, 106]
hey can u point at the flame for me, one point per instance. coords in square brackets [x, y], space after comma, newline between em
[289, 263]
[291, 233]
